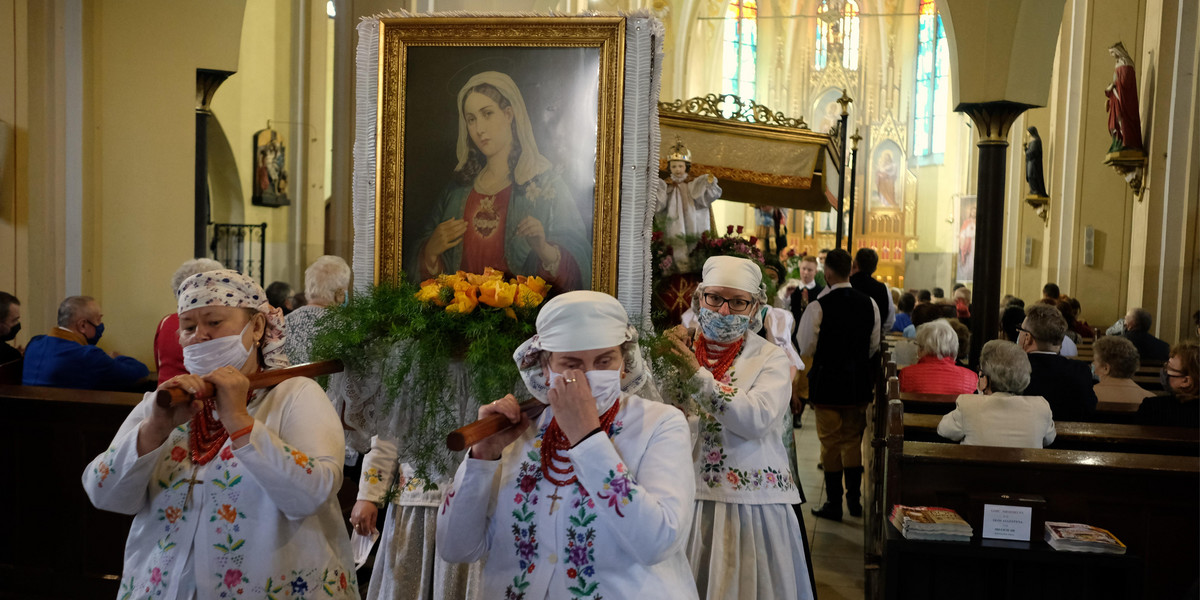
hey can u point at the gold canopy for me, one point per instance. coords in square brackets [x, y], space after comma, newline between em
[760, 157]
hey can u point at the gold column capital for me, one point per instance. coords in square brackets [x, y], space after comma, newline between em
[993, 120]
[207, 82]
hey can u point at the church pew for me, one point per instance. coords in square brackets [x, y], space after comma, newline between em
[873, 467]
[53, 533]
[10, 372]
[1148, 501]
[1074, 435]
[940, 404]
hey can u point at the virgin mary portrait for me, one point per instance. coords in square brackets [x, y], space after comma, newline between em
[506, 207]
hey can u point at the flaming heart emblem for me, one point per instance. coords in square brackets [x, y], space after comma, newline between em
[486, 219]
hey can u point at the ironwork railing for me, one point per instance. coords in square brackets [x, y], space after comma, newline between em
[241, 247]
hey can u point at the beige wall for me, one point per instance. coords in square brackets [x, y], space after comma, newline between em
[139, 197]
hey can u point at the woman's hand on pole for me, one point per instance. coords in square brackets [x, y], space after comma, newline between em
[232, 388]
[491, 447]
[158, 425]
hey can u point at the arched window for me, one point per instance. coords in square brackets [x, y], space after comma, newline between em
[741, 43]
[837, 33]
[933, 71]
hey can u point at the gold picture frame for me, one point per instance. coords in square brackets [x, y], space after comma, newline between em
[561, 68]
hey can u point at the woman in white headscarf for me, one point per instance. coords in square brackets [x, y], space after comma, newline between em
[506, 208]
[595, 498]
[233, 496]
[745, 540]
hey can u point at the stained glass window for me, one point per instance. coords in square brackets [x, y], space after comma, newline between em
[933, 71]
[741, 44]
[840, 33]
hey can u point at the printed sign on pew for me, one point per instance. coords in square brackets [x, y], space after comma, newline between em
[1015, 517]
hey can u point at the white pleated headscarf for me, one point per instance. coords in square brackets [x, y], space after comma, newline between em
[531, 163]
[575, 321]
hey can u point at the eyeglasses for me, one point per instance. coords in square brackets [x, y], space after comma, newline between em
[1021, 330]
[714, 301]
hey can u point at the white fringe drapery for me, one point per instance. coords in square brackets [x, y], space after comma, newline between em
[639, 172]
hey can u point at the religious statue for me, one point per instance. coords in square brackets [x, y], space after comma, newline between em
[1033, 164]
[1126, 154]
[684, 200]
[885, 180]
[1124, 120]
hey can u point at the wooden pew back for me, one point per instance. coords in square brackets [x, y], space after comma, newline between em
[1073, 435]
[54, 533]
[1148, 501]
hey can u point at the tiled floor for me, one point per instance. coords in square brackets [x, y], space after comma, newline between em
[837, 548]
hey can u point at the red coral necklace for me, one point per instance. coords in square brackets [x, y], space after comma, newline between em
[207, 434]
[554, 443]
[719, 363]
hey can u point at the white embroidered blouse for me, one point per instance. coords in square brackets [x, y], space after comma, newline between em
[619, 532]
[739, 453]
[263, 520]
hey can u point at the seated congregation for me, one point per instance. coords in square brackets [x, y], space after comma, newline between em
[608, 491]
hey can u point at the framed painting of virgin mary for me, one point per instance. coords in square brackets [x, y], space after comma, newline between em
[499, 146]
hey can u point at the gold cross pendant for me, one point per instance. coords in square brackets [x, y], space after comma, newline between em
[191, 483]
[554, 498]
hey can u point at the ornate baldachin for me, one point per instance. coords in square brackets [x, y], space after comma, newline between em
[745, 111]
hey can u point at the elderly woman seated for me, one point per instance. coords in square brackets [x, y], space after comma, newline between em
[997, 416]
[1114, 362]
[935, 371]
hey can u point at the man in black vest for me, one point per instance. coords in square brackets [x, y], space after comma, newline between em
[1066, 384]
[865, 262]
[841, 332]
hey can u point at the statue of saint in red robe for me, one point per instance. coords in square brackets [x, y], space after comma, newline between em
[1124, 120]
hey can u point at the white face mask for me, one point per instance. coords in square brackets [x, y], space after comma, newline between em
[605, 384]
[206, 357]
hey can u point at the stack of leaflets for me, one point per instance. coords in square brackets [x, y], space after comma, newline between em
[930, 523]
[1077, 537]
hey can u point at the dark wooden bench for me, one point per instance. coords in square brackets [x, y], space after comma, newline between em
[940, 404]
[1074, 435]
[1151, 502]
[55, 538]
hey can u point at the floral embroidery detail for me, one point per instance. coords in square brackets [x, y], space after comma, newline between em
[103, 470]
[299, 586]
[373, 476]
[616, 428]
[228, 513]
[126, 589]
[301, 459]
[760, 479]
[273, 588]
[233, 578]
[712, 450]
[620, 488]
[446, 501]
[226, 483]
[227, 453]
[171, 514]
[178, 453]
[525, 529]
[229, 545]
[582, 554]
[156, 576]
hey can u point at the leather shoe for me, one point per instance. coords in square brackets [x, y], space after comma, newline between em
[830, 511]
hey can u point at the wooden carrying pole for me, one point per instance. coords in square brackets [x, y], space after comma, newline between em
[468, 435]
[262, 379]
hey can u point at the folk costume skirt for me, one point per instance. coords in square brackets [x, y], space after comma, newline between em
[407, 566]
[747, 552]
